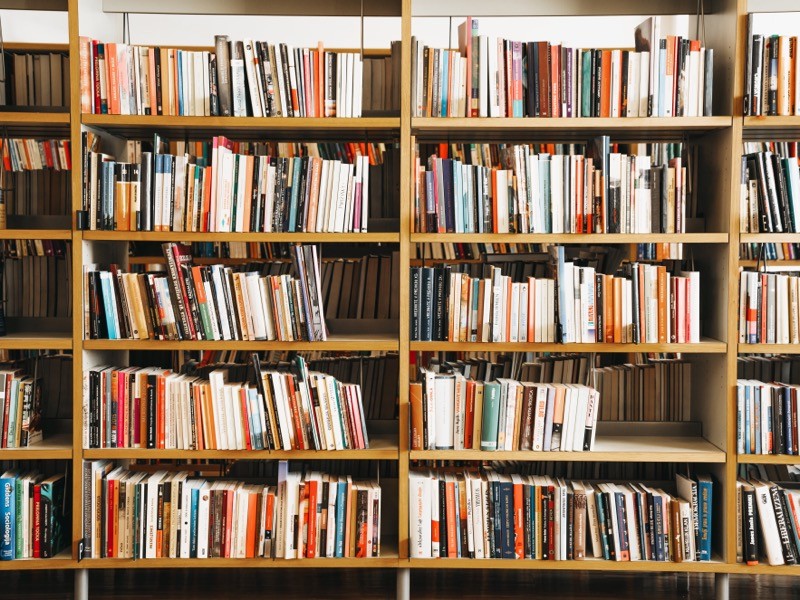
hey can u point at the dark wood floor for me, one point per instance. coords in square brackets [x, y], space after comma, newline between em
[369, 585]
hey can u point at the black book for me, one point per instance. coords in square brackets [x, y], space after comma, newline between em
[416, 326]
[772, 65]
[597, 81]
[708, 88]
[507, 512]
[756, 165]
[443, 518]
[221, 43]
[213, 93]
[778, 442]
[426, 315]
[772, 191]
[756, 99]
[781, 515]
[782, 192]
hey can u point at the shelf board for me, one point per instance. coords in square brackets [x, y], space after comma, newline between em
[768, 123]
[34, 339]
[769, 238]
[35, 234]
[381, 448]
[49, 5]
[343, 342]
[771, 263]
[763, 569]
[62, 560]
[653, 449]
[197, 236]
[767, 459]
[590, 564]
[282, 127]
[313, 8]
[35, 123]
[50, 448]
[769, 348]
[572, 238]
[427, 126]
[566, 8]
[706, 346]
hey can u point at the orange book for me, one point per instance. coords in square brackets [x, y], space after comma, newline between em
[166, 104]
[248, 189]
[297, 420]
[270, 514]
[669, 76]
[250, 538]
[555, 83]
[349, 524]
[608, 308]
[122, 216]
[160, 425]
[112, 78]
[207, 183]
[642, 302]
[450, 508]
[417, 417]
[311, 519]
[313, 198]
[320, 83]
[228, 521]
[662, 304]
[617, 310]
[605, 83]
[532, 316]
[173, 73]
[519, 535]
[245, 419]
[470, 413]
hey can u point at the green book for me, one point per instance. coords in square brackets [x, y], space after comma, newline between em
[586, 84]
[491, 415]
[54, 521]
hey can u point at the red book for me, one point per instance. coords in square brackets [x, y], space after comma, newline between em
[605, 83]
[311, 519]
[519, 520]
[450, 507]
[469, 420]
[251, 539]
[37, 521]
[245, 424]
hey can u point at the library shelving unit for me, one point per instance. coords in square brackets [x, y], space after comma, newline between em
[712, 444]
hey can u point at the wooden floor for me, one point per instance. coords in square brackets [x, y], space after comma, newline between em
[369, 585]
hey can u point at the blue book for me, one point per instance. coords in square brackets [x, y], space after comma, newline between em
[602, 523]
[658, 519]
[747, 392]
[705, 491]
[507, 518]
[193, 523]
[788, 438]
[443, 81]
[109, 307]
[341, 500]
[179, 91]
[107, 195]
[544, 192]
[8, 514]
[497, 512]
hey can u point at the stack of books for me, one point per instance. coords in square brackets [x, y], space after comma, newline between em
[206, 302]
[770, 188]
[449, 411]
[362, 288]
[768, 308]
[231, 186]
[766, 418]
[553, 188]
[39, 79]
[771, 70]
[240, 79]
[486, 514]
[782, 368]
[768, 525]
[37, 277]
[664, 76]
[35, 513]
[170, 514]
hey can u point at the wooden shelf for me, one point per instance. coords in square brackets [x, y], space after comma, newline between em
[430, 126]
[591, 564]
[764, 569]
[623, 449]
[769, 123]
[62, 560]
[35, 234]
[769, 348]
[706, 346]
[35, 340]
[197, 236]
[343, 342]
[35, 123]
[769, 238]
[275, 127]
[767, 459]
[777, 263]
[381, 448]
[572, 238]
[57, 447]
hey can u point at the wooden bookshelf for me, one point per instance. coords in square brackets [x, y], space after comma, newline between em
[719, 140]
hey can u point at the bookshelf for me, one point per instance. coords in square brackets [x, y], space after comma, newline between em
[718, 138]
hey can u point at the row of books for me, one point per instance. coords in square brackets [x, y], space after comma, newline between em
[771, 69]
[769, 251]
[777, 367]
[39, 285]
[28, 154]
[665, 76]
[766, 418]
[645, 303]
[362, 288]
[473, 251]
[206, 302]
[21, 405]
[449, 411]
[240, 78]
[35, 514]
[172, 514]
[491, 515]
[770, 191]
[768, 308]
[768, 525]
[39, 193]
[606, 188]
[39, 79]
[381, 82]
[231, 188]
[158, 408]
[659, 390]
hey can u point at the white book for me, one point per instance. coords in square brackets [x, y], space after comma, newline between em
[616, 82]
[645, 62]
[634, 72]
[152, 509]
[444, 390]
[419, 509]
[514, 320]
[203, 506]
[539, 414]
[524, 291]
